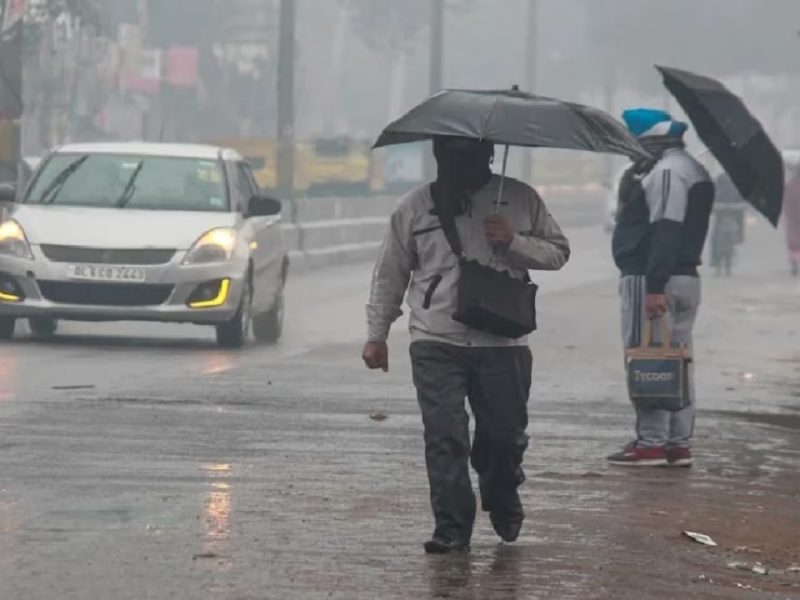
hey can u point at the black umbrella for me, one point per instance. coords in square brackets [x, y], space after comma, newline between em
[734, 136]
[512, 118]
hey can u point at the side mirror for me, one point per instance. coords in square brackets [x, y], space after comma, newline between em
[264, 206]
[8, 192]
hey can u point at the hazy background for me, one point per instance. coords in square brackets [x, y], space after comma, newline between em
[195, 70]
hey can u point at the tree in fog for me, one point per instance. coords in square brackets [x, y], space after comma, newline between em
[395, 30]
[390, 26]
[392, 29]
[237, 90]
[60, 47]
[718, 37]
[41, 15]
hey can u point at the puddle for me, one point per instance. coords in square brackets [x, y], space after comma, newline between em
[103, 515]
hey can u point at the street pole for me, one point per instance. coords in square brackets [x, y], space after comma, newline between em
[531, 75]
[610, 86]
[609, 93]
[286, 60]
[146, 125]
[437, 45]
[436, 66]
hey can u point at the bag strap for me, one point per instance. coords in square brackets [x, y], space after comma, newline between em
[448, 220]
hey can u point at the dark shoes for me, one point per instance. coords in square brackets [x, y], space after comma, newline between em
[507, 529]
[443, 546]
[506, 526]
[505, 511]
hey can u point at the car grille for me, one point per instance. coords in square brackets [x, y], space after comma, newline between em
[105, 294]
[77, 254]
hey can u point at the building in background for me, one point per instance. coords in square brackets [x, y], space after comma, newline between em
[196, 70]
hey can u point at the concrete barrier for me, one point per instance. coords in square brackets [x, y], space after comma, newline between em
[322, 232]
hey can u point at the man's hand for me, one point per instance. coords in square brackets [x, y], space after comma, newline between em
[655, 305]
[499, 231]
[376, 356]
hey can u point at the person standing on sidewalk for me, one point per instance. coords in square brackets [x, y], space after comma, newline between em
[450, 361]
[666, 207]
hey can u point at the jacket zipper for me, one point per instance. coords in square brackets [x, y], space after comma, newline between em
[431, 289]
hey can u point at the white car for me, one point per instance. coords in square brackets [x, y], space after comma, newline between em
[149, 232]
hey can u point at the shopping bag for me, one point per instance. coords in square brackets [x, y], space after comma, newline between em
[657, 374]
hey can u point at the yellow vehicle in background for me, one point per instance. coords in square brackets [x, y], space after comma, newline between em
[260, 154]
[325, 166]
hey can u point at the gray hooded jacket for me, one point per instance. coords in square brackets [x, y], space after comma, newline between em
[416, 257]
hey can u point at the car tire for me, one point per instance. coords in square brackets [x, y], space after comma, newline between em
[268, 326]
[233, 334]
[7, 326]
[42, 327]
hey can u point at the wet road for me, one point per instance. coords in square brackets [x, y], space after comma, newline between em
[140, 461]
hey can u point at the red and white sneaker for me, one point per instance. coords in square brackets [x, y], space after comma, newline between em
[638, 456]
[679, 456]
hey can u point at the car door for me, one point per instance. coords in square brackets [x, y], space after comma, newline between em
[266, 246]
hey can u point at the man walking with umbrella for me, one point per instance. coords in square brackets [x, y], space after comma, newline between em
[451, 361]
[460, 249]
[665, 208]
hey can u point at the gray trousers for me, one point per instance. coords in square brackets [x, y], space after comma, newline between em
[497, 382]
[657, 428]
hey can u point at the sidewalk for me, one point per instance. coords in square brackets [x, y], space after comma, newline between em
[358, 496]
[601, 532]
[346, 508]
[293, 473]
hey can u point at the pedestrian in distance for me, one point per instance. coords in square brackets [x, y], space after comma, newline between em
[791, 221]
[728, 228]
[665, 209]
[452, 362]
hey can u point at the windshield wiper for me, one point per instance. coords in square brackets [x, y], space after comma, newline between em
[130, 187]
[51, 192]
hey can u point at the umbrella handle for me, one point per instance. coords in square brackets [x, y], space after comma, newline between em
[502, 181]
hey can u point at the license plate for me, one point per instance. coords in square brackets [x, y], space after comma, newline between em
[106, 273]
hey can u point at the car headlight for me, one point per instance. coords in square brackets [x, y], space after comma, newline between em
[213, 246]
[13, 241]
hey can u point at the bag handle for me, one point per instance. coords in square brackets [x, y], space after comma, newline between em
[666, 334]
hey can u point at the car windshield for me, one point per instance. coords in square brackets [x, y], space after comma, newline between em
[130, 181]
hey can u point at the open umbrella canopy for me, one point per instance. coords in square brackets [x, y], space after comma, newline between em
[734, 136]
[513, 118]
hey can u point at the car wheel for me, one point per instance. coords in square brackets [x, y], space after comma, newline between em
[268, 327]
[7, 326]
[233, 333]
[43, 327]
